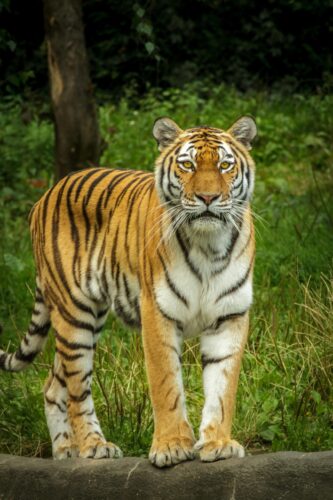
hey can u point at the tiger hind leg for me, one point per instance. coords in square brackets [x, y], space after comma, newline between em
[55, 399]
[75, 342]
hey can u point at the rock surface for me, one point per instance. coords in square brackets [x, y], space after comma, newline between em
[283, 476]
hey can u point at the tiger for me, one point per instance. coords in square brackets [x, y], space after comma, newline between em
[171, 252]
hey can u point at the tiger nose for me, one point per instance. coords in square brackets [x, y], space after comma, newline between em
[207, 198]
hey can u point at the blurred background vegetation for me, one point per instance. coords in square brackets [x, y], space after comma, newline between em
[147, 44]
[200, 63]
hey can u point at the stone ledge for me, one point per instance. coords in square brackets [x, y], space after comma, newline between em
[283, 475]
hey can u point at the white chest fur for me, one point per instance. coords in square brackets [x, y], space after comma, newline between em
[207, 282]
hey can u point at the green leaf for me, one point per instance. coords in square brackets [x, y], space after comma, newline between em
[270, 405]
[149, 47]
[139, 11]
[316, 396]
[12, 45]
[13, 262]
[267, 434]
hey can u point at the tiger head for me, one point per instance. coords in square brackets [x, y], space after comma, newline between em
[206, 174]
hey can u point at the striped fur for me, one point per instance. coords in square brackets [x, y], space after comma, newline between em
[170, 252]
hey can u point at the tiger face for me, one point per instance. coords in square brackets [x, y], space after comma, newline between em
[205, 173]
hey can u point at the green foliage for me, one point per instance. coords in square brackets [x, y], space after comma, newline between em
[26, 145]
[280, 42]
[284, 398]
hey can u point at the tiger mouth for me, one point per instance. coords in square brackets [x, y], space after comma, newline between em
[208, 215]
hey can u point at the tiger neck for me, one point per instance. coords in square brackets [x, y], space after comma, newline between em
[213, 244]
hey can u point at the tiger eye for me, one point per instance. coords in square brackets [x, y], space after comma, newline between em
[187, 164]
[225, 165]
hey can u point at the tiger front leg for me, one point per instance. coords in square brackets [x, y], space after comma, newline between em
[221, 360]
[173, 438]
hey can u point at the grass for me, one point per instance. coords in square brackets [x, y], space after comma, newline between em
[284, 399]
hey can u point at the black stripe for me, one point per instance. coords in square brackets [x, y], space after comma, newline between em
[168, 317]
[52, 402]
[222, 409]
[69, 357]
[138, 216]
[222, 319]
[81, 413]
[3, 358]
[57, 436]
[71, 345]
[125, 189]
[237, 285]
[88, 374]
[98, 329]
[175, 404]
[146, 238]
[114, 251]
[99, 211]
[173, 348]
[127, 289]
[209, 361]
[104, 274]
[245, 246]
[86, 220]
[119, 176]
[84, 179]
[88, 273]
[74, 230]
[60, 380]
[26, 358]
[95, 183]
[165, 315]
[41, 330]
[93, 432]
[125, 315]
[169, 176]
[186, 256]
[55, 233]
[130, 202]
[70, 374]
[162, 169]
[82, 325]
[170, 283]
[82, 307]
[102, 313]
[162, 173]
[82, 397]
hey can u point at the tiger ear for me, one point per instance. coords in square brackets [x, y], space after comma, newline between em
[244, 130]
[165, 132]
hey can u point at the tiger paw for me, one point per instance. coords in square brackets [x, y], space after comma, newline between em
[171, 451]
[219, 450]
[65, 451]
[101, 450]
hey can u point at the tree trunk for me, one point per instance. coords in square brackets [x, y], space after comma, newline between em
[76, 127]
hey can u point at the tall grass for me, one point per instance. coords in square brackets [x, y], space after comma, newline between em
[284, 399]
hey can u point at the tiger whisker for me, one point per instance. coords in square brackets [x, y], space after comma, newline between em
[160, 223]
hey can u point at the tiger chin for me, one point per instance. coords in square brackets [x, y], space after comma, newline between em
[170, 252]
